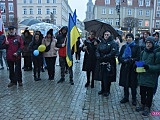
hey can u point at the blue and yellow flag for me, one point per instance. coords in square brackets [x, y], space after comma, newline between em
[73, 34]
[75, 17]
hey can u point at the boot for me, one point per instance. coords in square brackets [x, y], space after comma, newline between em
[146, 111]
[87, 83]
[140, 108]
[61, 80]
[71, 81]
[124, 100]
[92, 84]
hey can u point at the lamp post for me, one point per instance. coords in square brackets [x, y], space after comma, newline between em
[118, 12]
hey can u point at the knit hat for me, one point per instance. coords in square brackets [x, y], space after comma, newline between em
[131, 35]
[150, 39]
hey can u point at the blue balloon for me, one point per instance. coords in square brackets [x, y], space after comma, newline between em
[35, 52]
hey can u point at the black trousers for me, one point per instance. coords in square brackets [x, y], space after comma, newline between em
[50, 61]
[88, 77]
[27, 62]
[133, 92]
[78, 55]
[146, 95]
[15, 73]
[37, 62]
[105, 83]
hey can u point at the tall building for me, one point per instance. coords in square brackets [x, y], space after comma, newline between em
[141, 9]
[9, 12]
[89, 12]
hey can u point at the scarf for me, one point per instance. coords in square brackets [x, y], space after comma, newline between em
[127, 51]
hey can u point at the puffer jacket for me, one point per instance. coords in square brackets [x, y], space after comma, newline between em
[15, 46]
[149, 77]
[53, 49]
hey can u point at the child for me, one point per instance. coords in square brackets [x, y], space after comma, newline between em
[37, 60]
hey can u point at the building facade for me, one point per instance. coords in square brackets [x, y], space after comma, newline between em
[89, 12]
[9, 12]
[143, 10]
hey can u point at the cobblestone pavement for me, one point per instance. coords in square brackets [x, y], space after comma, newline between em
[47, 100]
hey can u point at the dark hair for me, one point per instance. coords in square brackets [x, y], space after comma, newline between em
[50, 32]
[131, 35]
[156, 33]
[26, 31]
[93, 31]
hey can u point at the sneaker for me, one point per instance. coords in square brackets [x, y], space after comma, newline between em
[20, 84]
[124, 100]
[61, 80]
[11, 84]
[100, 92]
[134, 102]
[146, 111]
[87, 84]
[140, 108]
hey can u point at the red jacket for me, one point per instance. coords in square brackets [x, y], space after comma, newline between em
[15, 46]
[62, 51]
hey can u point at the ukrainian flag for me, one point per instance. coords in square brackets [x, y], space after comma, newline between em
[73, 34]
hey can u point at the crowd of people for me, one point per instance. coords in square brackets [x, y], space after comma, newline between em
[99, 60]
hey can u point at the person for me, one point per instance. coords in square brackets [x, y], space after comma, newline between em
[2, 53]
[61, 44]
[129, 53]
[14, 46]
[37, 59]
[89, 61]
[27, 38]
[147, 80]
[137, 38]
[142, 41]
[50, 54]
[79, 44]
[105, 54]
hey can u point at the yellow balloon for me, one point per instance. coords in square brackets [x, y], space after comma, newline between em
[41, 48]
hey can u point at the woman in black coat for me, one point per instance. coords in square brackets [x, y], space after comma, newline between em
[89, 60]
[129, 53]
[105, 53]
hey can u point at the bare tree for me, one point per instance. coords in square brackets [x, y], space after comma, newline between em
[130, 23]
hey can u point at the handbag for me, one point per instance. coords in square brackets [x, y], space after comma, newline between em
[48, 47]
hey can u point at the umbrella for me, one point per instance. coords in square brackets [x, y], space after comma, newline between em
[29, 22]
[119, 31]
[99, 27]
[43, 27]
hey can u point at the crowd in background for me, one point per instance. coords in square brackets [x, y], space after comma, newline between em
[99, 60]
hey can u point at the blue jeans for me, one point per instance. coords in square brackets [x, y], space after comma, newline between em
[3, 57]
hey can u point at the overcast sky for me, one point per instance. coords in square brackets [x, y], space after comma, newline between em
[80, 6]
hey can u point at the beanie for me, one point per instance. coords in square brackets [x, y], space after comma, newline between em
[150, 39]
[131, 35]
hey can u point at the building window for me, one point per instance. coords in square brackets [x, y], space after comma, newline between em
[158, 3]
[158, 13]
[39, 1]
[54, 11]
[140, 12]
[157, 24]
[54, 1]
[146, 23]
[30, 1]
[47, 1]
[107, 2]
[25, 11]
[110, 21]
[110, 11]
[103, 10]
[11, 18]
[129, 2]
[24, 1]
[147, 2]
[31, 11]
[54, 21]
[117, 22]
[10, 7]
[39, 11]
[140, 23]
[4, 18]
[141, 2]
[147, 13]
[129, 12]
[2, 7]
[117, 2]
[47, 11]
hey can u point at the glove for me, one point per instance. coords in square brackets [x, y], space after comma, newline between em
[146, 66]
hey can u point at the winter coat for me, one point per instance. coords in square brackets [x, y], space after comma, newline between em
[106, 52]
[149, 77]
[27, 41]
[53, 50]
[89, 60]
[128, 75]
[15, 46]
[60, 40]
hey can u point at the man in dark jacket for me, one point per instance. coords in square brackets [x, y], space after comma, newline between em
[61, 44]
[14, 45]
